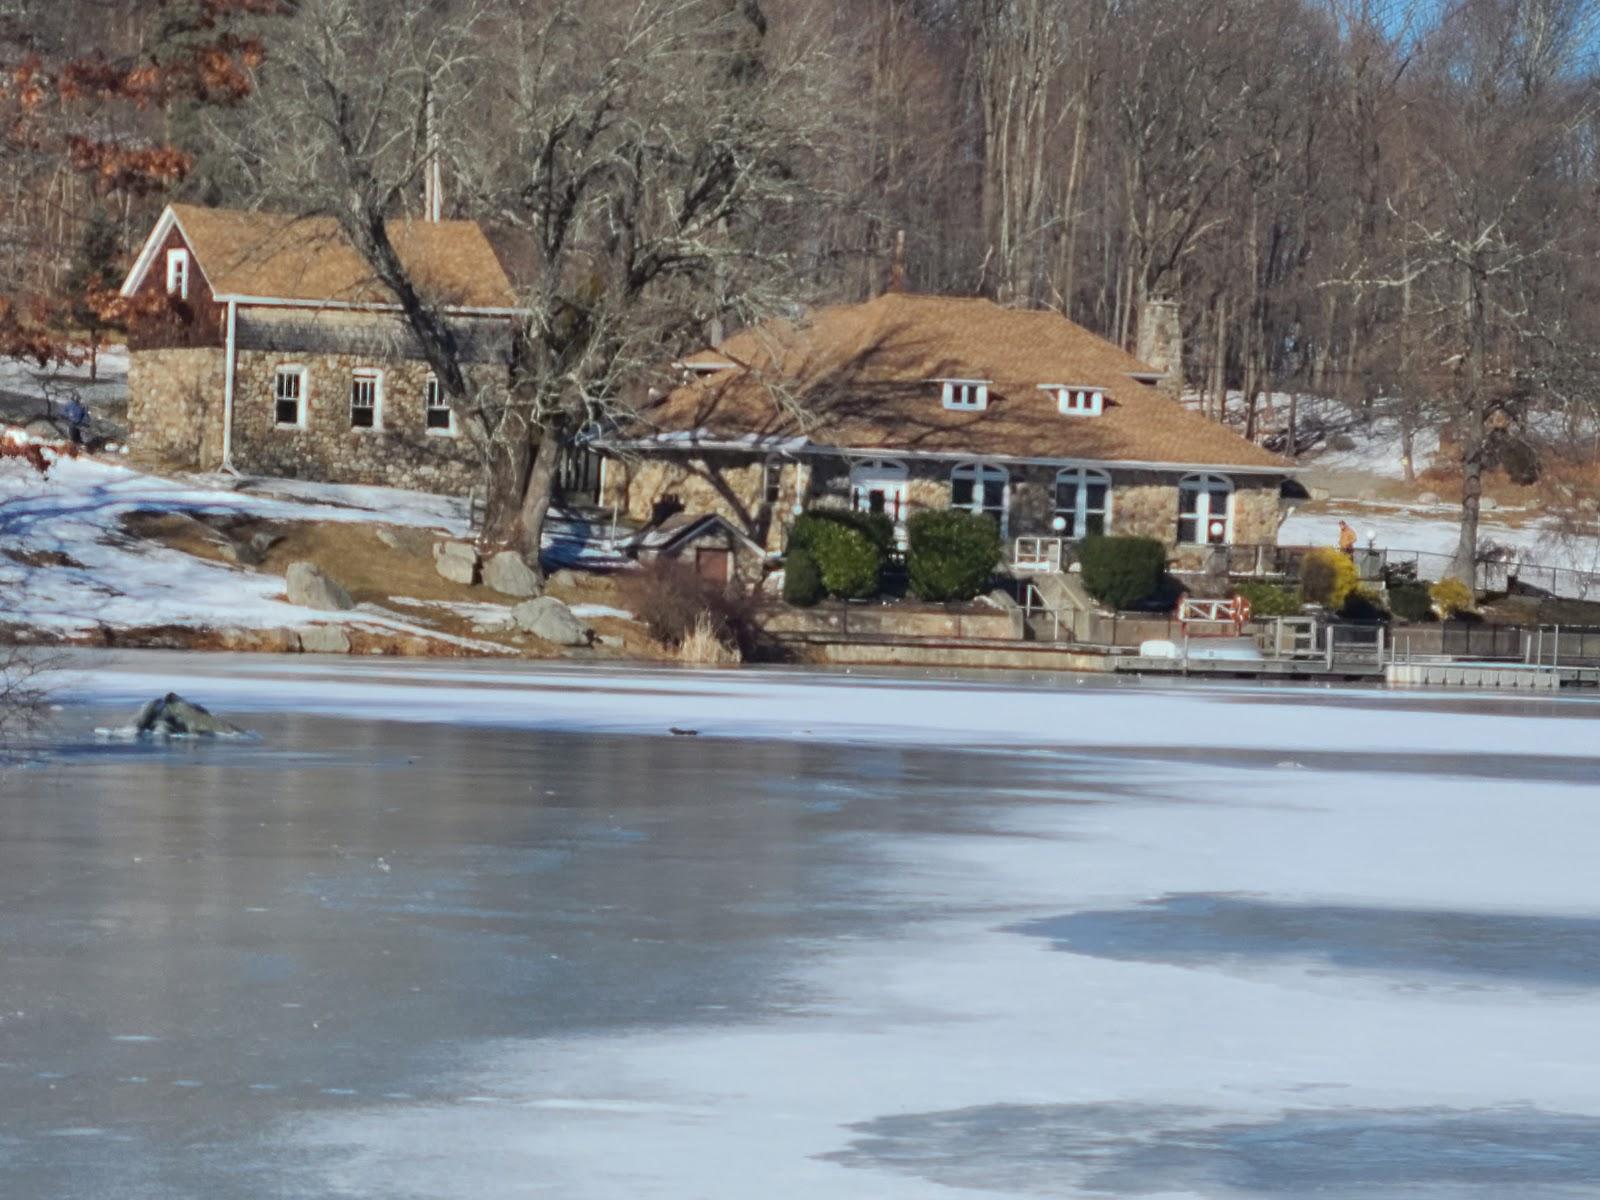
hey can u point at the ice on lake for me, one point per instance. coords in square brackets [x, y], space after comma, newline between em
[453, 931]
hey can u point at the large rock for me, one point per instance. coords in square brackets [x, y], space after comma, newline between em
[565, 578]
[173, 716]
[507, 574]
[1488, 504]
[456, 561]
[550, 620]
[1428, 498]
[324, 639]
[310, 587]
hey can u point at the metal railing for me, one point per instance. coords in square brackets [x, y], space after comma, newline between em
[1038, 554]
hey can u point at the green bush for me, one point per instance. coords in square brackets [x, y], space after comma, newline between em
[1327, 577]
[1363, 604]
[952, 554]
[1121, 571]
[847, 558]
[1410, 601]
[802, 582]
[877, 527]
[1269, 599]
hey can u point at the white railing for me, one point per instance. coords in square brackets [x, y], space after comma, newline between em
[1036, 554]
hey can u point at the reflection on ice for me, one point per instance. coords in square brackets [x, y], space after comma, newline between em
[1137, 1150]
[1209, 930]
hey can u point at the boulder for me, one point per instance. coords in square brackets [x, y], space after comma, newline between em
[550, 620]
[456, 561]
[507, 574]
[324, 639]
[173, 716]
[310, 587]
[564, 578]
[1488, 504]
[1428, 498]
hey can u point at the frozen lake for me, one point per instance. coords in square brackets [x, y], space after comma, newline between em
[472, 932]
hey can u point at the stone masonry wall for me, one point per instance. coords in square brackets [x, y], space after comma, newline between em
[175, 407]
[401, 453]
[730, 485]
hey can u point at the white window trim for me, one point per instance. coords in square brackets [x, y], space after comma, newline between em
[978, 472]
[1203, 514]
[886, 475]
[305, 395]
[1077, 400]
[964, 395]
[377, 400]
[1084, 476]
[772, 468]
[432, 381]
[178, 272]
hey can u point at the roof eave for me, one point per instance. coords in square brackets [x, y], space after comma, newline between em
[801, 445]
[372, 306]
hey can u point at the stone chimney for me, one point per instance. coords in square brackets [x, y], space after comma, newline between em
[1161, 341]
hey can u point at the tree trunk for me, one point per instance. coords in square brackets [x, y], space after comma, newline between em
[505, 480]
[536, 498]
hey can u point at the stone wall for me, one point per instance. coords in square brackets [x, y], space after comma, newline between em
[402, 453]
[1144, 503]
[175, 407]
[730, 485]
[175, 415]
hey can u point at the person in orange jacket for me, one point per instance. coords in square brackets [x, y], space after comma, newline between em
[1347, 539]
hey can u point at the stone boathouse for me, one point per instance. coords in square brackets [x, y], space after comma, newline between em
[275, 352]
[909, 402]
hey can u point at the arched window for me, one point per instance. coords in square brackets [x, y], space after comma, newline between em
[1205, 510]
[879, 485]
[1083, 502]
[981, 488]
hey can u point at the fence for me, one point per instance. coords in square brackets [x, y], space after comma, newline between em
[1552, 645]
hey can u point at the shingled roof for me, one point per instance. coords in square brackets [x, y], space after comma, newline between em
[272, 256]
[862, 377]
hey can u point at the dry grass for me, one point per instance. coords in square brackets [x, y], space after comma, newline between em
[703, 648]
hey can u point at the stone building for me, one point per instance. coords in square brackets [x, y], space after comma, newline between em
[277, 353]
[910, 402]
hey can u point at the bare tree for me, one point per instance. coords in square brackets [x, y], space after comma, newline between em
[653, 157]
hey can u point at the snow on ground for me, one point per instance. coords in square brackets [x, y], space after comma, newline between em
[590, 612]
[123, 581]
[1433, 529]
[1189, 944]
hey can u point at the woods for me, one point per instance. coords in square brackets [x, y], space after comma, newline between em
[1387, 202]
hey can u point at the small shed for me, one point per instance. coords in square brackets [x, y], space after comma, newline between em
[717, 550]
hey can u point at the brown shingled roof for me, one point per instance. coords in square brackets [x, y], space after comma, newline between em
[861, 377]
[280, 257]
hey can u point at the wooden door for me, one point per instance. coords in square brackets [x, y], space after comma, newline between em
[713, 565]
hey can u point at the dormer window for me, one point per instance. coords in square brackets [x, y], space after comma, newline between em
[1074, 401]
[178, 274]
[965, 395]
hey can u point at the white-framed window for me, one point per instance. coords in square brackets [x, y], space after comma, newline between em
[1083, 502]
[178, 273]
[1077, 401]
[1205, 510]
[965, 395]
[439, 419]
[289, 397]
[366, 400]
[981, 488]
[879, 485]
[772, 480]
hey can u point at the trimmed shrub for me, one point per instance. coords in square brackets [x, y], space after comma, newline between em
[1362, 604]
[1121, 571]
[877, 527]
[802, 582]
[847, 559]
[1327, 577]
[1410, 601]
[1269, 599]
[952, 554]
[1453, 597]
